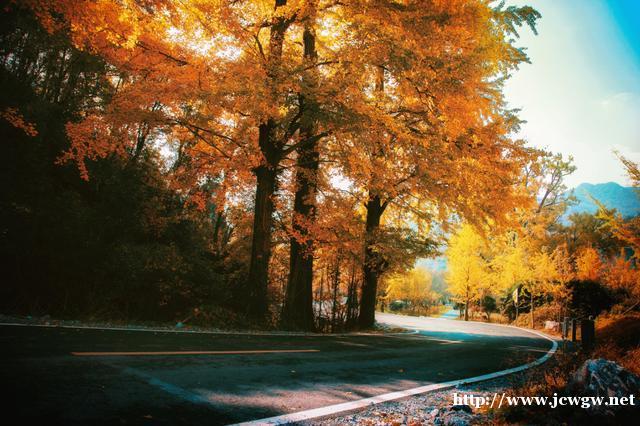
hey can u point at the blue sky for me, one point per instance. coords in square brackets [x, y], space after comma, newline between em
[581, 94]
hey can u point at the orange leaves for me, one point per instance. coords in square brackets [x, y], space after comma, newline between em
[199, 199]
[13, 116]
[90, 139]
[621, 274]
[588, 264]
[408, 92]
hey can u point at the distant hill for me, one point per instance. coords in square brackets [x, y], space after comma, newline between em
[624, 199]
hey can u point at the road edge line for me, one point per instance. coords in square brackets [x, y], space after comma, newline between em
[215, 332]
[392, 396]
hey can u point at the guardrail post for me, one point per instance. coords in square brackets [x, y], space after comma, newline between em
[588, 332]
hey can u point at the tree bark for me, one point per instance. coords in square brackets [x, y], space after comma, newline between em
[266, 184]
[466, 307]
[335, 287]
[298, 312]
[531, 298]
[352, 300]
[298, 309]
[373, 263]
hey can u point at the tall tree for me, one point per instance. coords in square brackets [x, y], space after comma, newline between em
[628, 232]
[588, 264]
[298, 308]
[217, 78]
[271, 147]
[468, 267]
[227, 84]
[431, 139]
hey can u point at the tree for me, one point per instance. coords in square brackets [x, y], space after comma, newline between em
[544, 275]
[523, 257]
[628, 232]
[488, 305]
[298, 311]
[410, 110]
[586, 230]
[621, 274]
[588, 264]
[565, 273]
[510, 268]
[123, 245]
[414, 287]
[547, 176]
[468, 272]
[232, 135]
[563, 264]
[428, 141]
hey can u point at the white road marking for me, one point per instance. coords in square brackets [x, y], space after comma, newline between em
[362, 403]
[322, 411]
[217, 332]
[164, 353]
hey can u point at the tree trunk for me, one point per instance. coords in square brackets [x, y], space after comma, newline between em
[352, 300]
[373, 263]
[335, 288]
[266, 183]
[298, 310]
[531, 298]
[216, 232]
[466, 306]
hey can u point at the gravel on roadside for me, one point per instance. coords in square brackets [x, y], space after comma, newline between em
[433, 408]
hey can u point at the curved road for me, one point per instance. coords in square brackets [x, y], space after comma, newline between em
[451, 314]
[77, 376]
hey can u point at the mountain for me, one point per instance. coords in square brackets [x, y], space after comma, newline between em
[624, 199]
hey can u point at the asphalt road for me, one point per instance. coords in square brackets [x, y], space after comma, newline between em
[135, 377]
[451, 314]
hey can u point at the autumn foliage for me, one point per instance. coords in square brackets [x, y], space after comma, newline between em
[323, 139]
[577, 266]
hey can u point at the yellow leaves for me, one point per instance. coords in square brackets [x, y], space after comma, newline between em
[413, 286]
[588, 264]
[468, 269]
[563, 264]
[13, 116]
[512, 264]
[544, 272]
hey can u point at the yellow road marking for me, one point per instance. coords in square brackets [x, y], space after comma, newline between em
[157, 353]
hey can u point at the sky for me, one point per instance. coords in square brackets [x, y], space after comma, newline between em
[581, 94]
